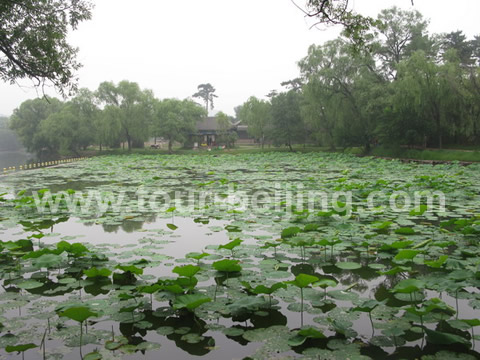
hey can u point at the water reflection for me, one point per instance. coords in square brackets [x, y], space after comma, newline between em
[14, 158]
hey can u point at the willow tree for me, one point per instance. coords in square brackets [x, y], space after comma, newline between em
[257, 114]
[132, 106]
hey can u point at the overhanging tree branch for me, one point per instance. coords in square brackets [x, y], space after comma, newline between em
[33, 41]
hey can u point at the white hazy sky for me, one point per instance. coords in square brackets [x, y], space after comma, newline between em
[242, 48]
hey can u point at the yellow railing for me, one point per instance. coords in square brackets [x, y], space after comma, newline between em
[41, 164]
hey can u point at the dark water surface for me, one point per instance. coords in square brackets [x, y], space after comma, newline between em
[13, 158]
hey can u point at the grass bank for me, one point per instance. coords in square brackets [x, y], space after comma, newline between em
[428, 154]
[463, 155]
[234, 151]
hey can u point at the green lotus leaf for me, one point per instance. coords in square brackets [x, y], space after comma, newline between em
[19, 348]
[348, 265]
[172, 227]
[196, 255]
[190, 302]
[94, 272]
[130, 268]
[436, 263]
[408, 286]
[227, 265]
[78, 313]
[406, 254]
[186, 270]
[405, 231]
[324, 283]
[303, 280]
[231, 245]
[48, 261]
[30, 284]
[290, 232]
[443, 338]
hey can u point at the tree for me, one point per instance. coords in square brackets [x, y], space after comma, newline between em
[175, 119]
[132, 106]
[257, 115]
[226, 135]
[423, 92]
[457, 41]
[400, 33]
[341, 93]
[86, 112]
[287, 126]
[26, 120]
[108, 129]
[33, 41]
[206, 93]
[337, 12]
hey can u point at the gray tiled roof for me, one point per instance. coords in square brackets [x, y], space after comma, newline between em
[209, 123]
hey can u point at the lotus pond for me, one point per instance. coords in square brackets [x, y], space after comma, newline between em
[232, 257]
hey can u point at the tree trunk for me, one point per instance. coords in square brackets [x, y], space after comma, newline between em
[290, 146]
[100, 146]
[170, 144]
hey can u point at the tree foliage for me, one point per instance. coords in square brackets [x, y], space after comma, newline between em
[26, 120]
[225, 133]
[287, 124]
[33, 41]
[257, 115]
[175, 119]
[398, 86]
[132, 107]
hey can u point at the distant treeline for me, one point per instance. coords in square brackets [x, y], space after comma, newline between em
[113, 114]
[401, 86]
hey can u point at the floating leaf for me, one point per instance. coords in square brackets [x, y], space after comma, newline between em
[405, 231]
[348, 265]
[172, 226]
[419, 210]
[324, 283]
[290, 232]
[304, 334]
[130, 268]
[20, 348]
[443, 338]
[93, 356]
[406, 254]
[408, 286]
[30, 284]
[437, 263]
[94, 272]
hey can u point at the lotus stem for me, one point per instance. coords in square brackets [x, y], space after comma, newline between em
[371, 322]
[81, 334]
